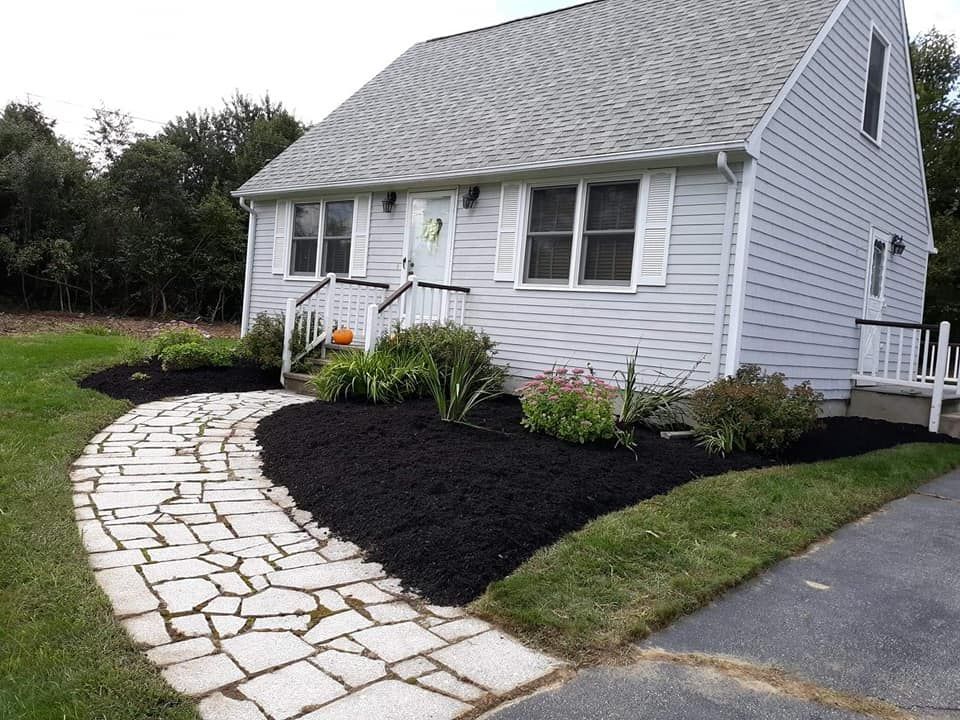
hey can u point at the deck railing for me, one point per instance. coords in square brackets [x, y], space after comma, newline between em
[910, 355]
[310, 319]
[416, 302]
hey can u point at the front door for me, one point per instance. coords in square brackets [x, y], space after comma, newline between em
[430, 219]
[874, 303]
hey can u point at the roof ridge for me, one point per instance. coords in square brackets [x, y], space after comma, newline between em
[583, 3]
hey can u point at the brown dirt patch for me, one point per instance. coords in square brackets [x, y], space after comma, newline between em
[23, 323]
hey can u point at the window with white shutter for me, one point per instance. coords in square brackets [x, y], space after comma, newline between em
[361, 236]
[657, 216]
[281, 223]
[504, 268]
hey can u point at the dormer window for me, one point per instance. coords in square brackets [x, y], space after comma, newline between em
[876, 80]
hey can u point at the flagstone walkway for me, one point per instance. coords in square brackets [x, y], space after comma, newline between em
[246, 602]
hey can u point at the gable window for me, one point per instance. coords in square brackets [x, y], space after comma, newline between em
[321, 231]
[873, 101]
[550, 234]
[303, 243]
[609, 234]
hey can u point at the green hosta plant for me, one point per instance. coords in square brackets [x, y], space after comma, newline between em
[169, 338]
[570, 404]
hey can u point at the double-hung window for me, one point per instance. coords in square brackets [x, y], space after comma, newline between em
[873, 98]
[321, 232]
[609, 234]
[550, 234]
[590, 234]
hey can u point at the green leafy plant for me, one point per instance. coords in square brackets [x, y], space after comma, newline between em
[469, 381]
[99, 330]
[655, 404]
[168, 338]
[192, 355]
[445, 344]
[262, 344]
[570, 404]
[140, 376]
[378, 377]
[753, 411]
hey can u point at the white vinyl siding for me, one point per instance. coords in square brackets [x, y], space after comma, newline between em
[821, 186]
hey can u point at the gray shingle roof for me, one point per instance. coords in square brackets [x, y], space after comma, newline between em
[606, 77]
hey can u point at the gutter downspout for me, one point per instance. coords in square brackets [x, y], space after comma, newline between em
[248, 271]
[738, 294]
[723, 277]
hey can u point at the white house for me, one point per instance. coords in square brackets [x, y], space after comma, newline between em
[717, 181]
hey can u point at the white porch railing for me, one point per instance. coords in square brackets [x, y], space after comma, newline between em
[910, 355]
[415, 303]
[333, 302]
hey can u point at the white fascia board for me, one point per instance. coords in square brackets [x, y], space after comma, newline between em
[709, 150]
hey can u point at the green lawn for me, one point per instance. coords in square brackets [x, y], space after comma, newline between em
[630, 572]
[62, 657]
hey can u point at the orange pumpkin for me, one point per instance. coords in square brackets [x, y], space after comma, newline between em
[343, 336]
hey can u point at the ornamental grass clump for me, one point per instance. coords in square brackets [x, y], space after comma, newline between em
[570, 404]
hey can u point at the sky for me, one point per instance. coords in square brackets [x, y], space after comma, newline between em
[155, 60]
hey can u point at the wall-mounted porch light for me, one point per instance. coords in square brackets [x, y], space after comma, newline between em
[389, 200]
[469, 198]
[897, 245]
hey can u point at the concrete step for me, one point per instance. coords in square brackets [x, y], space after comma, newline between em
[298, 383]
[950, 424]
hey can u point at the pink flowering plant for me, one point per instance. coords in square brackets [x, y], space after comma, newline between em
[569, 403]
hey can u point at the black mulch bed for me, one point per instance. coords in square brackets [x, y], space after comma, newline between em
[449, 508]
[117, 382]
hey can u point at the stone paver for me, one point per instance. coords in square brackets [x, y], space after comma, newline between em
[245, 602]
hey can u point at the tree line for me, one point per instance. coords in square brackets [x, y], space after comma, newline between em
[132, 224]
[145, 225]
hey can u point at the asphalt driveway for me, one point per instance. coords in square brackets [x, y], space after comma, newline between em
[872, 613]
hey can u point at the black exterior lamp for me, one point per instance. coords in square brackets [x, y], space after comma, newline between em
[469, 198]
[897, 245]
[389, 200]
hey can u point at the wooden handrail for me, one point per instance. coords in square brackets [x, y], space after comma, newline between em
[365, 283]
[344, 281]
[438, 286]
[393, 296]
[315, 289]
[905, 326]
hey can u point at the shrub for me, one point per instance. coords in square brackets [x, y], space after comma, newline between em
[379, 376]
[469, 381]
[754, 411]
[263, 343]
[445, 344]
[569, 404]
[191, 355]
[168, 338]
[655, 404]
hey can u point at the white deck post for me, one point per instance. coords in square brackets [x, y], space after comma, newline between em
[939, 375]
[371, 329]
[410, 303]
[289, 322]
[328, 310]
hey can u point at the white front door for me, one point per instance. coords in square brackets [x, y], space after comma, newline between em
[874, 302]
[430, 218]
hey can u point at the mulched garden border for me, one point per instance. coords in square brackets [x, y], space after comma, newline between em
[449, 508]
[118, 382]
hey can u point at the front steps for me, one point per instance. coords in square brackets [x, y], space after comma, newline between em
[299, 382]
[905, 405]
